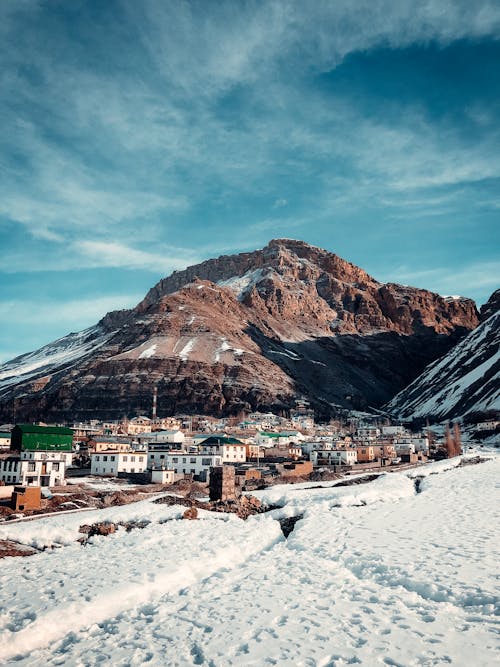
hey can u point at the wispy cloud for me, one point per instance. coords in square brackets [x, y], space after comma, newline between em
[113, 254]
[77, 313]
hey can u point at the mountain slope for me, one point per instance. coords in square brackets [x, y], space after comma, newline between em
[466, 379]
[241, 332]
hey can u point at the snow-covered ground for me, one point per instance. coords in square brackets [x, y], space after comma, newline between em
[374, 574]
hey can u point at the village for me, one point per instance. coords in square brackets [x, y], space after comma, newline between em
[257, 451]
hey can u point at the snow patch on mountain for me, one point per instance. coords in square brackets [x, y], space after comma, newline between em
[184, 353]
[242, 284]
[53, 356]
[148, 352]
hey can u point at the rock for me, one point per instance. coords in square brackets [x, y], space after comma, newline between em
[191, 513]
[103, 528]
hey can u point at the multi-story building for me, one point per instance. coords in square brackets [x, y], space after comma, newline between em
[184, 463]
[111, 463]
[173, 437]
[344, 457]
[230, 450]
[366, 454]
[139, 425]
[34, 468]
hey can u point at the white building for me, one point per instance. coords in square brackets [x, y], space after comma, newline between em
[184, 463]
[411, 444]
[393, 430]
[34, 468]
[338, 457]
[162, 476]
[308, 447]
[270, 439]
[139, 425]
[404, 447]
[487, 426]
[368, 432]
[111, 463]
[229, 449]
[173, 437]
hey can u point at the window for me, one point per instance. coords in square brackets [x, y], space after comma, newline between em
[192, 460]
[205, 462]
[31, 466]
[162, 456]
[193, 471]
[55, 467]
[132, 469]
[184, 461]
[140, 458]
[112, 458]
[125, 458]
[175, 459]
[104, 458]
[132, 458]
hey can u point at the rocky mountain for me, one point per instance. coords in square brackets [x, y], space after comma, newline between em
[465, 380]
[254, 330]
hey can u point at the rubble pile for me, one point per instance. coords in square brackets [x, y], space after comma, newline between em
[244, 506]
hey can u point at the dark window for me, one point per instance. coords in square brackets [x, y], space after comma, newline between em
[104, 458]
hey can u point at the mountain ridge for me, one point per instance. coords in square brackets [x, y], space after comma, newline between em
[239, 332]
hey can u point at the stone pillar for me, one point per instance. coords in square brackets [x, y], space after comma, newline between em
[222, 483]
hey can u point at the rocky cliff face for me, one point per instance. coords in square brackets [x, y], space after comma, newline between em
[466, 380]
[254, 330]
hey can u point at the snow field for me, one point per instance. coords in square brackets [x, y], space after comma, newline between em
[374, 574]
[83, 586]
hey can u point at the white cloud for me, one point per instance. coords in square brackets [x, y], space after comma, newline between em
[78, 313]
[114, 254]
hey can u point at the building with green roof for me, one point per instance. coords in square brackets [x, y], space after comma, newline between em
[41, 438]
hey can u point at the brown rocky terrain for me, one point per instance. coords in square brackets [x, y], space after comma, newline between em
[241, 332]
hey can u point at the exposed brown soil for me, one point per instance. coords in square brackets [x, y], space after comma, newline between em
[9, 548]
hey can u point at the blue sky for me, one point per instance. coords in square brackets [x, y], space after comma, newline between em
[140, 137]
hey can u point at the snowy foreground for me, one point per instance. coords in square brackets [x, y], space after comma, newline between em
[375, 574]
